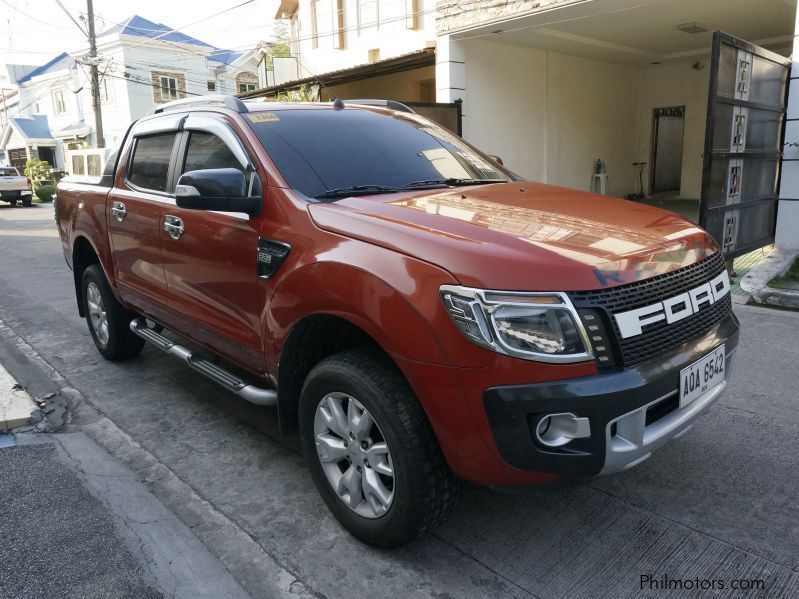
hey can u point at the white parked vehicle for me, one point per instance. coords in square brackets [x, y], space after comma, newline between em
[15, 187]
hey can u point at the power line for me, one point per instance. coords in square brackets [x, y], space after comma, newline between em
[31, 17]
[71, 18]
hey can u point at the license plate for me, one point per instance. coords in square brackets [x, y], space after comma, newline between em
[701, 376]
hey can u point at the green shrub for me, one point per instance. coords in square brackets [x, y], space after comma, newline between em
[45, 193]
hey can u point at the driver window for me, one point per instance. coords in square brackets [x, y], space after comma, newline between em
[206, 150]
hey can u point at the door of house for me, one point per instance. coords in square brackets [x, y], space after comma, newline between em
[743, 144]
[667, 138]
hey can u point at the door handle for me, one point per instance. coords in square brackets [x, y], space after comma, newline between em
[174, 226]
[119, 211]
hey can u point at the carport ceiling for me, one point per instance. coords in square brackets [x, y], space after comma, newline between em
[644, 31]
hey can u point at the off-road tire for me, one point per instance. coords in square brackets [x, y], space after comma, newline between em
[425, 490]
[122, 342]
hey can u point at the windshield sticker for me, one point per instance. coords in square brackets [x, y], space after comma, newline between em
[262, 117]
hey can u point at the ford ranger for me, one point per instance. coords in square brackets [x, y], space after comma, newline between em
[417, 313]
[14, 187]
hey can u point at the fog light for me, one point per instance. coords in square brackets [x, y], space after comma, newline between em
[555, 430]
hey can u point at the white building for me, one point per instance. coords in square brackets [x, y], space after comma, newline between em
[141, 64]
[357, 48]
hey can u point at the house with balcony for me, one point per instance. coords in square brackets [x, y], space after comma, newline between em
[141, 63]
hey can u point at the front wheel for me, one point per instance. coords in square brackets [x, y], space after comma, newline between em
[371, 451]
[109, 322]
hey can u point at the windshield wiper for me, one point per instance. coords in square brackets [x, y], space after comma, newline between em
[451, 182]
[343, 192]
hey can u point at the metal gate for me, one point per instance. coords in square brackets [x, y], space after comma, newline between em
[743, 144]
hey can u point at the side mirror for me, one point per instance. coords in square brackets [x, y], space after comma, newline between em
[496, 159]
[223, 189]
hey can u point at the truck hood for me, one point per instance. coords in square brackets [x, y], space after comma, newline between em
[523, 235]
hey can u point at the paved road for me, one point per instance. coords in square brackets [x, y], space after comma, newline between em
[721, 503]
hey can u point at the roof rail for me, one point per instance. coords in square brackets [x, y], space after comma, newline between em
[392, 104]
[231, 102]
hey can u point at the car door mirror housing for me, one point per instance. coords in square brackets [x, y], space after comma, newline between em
[223, 189]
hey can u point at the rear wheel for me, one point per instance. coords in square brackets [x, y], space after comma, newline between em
[12, 201]
[370, 449]
[27, 201]
[109, 322]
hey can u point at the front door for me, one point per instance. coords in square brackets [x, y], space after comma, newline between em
[210, 263]
[743, 144]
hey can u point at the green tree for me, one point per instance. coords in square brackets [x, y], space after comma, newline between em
[38, 171]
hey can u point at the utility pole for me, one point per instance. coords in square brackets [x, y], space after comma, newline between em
[95, 76]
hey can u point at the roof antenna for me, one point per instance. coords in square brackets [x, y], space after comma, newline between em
[338, 103]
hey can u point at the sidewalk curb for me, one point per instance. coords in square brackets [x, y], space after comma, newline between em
[755, 282]
[16, 404]
[264, 576]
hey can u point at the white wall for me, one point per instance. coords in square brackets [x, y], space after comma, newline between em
[676, 84]
[392, 36]
[787, 236]
[550, 116]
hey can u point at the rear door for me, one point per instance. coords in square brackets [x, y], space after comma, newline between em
[743, 144]
[210, 257]
[134, 214]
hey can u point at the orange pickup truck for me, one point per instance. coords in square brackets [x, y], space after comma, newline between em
[415, 312]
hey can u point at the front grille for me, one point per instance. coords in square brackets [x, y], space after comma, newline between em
[661, 336]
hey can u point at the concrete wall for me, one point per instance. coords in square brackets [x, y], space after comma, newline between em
[412, 85]
[676, 84]
[550, 116]
[454, 15]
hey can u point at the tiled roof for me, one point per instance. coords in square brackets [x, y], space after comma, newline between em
[141, 27]
[62, 61]
[225, 57]
[32, 127]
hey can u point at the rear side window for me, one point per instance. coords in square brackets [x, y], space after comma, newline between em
[149, 167]
[206, 150]
[8, 172]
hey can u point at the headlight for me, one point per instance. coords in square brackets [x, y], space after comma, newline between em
[533, 326]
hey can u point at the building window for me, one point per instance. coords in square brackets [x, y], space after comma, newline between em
[412, 14]
[368, 14]
[169, 88]
[314, 24]
[212, 86]
[59, 105]
[246, 82]
[338, 26]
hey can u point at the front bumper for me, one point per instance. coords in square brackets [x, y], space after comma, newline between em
[631, 412]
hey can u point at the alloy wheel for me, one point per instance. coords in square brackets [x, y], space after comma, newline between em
[354, 455]
[97, 313]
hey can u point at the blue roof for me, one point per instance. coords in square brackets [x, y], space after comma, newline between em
[225, 57]
[32, 127]
[141, 27]
[62, 61]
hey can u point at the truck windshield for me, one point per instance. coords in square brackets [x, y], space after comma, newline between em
[327, 154]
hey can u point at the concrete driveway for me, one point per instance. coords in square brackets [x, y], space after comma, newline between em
[720, 506]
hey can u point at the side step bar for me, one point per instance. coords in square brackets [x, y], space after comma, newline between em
[253, 394]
